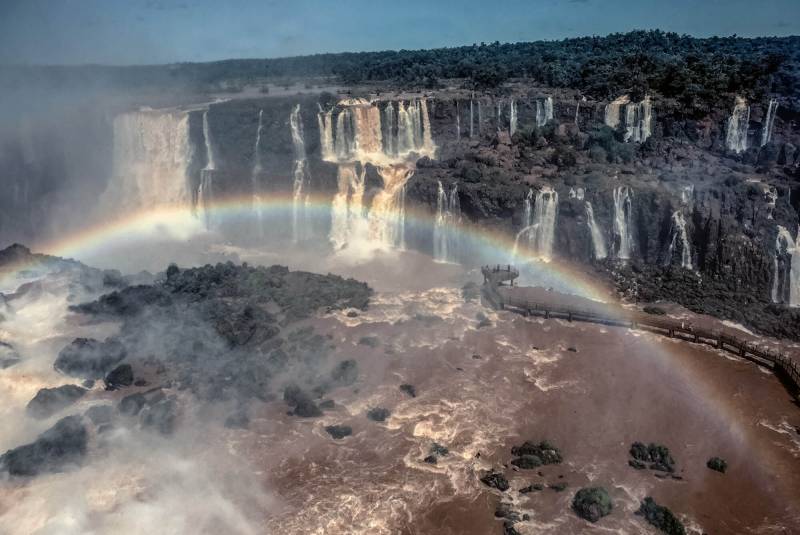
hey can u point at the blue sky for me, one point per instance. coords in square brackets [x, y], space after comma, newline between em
[161, 31]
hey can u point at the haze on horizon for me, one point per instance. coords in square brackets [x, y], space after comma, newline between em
[166, 31]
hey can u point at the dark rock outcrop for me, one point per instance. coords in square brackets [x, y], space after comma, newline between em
[655, 456]
[88, 358]
[49, 401]
[119, 377]
[62, 445]
[409, 389]
[378, 414]
[660, 517]
[301, 402]
[717, 464]
[530, 453]
[339, 432]
[495, 480]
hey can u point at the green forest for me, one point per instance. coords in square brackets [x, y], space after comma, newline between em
[691, 70]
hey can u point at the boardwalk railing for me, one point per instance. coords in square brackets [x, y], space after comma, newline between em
[514, 298]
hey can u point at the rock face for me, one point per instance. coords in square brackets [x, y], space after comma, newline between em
[88, 358]
[49, 401]
[62, 445]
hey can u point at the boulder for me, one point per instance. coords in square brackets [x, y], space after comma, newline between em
[660, 517]
[62, 445]
[409, 389]
[495, 480]
[100, 414]
[378, 414]
[546, 452]
[49, 401]
[301, 403]
[339, 431]
[717, 464]
[88, 358]
[119, 377]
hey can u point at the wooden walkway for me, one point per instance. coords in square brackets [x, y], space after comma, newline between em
[539, 301]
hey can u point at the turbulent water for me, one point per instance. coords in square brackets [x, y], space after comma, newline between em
[737, 128]
[623, 236]
[786, 277]
[151, 156]
[679, 241]
[638, 121]
[445, 230]
[769, 122]
[598, 242]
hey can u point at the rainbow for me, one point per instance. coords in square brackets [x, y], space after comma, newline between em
[180, 224]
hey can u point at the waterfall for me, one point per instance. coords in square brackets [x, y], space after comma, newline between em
[390, 139]
[325, 120]
[678, 233]
[471, 118]
[769, 122]
[543, 226]
[348, 219]
[499, 113]
[387, 214]
[480, 118]
[612, 112]
[342, 142]
[622, 222]
[151, 156]
[738, 123]
[577, 112]
[458, 122]
[256, 190]
[512, 119]
[527, 210]
[638, 120]
[598, 243]
[544, 111]
[786, 277]
[299, 195]
[210, 160]
[448, 217]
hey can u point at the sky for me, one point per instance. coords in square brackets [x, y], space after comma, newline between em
[124, 32]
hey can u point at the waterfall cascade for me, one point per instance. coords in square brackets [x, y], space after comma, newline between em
[448, 217]
[679, 240]
[472, 117]
[769, 122]
[257, 168]
[598, 243]
[786, 277]
[480, 118]
[738, 123]
[458, 121]
[543, 226]
[544, 111]
[356, 133]
[638, 120]
[205, 191]
[151, 156]
[512, 117]
[300, 195]
[623, 213]
[612, 112]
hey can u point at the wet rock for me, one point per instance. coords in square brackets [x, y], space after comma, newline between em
[656, 311]
[378, 414]
[62, 445]
[546, 452]
[483, 320]
[572, 349]
[477, 357]
[592, 503]
[409, 389]
[100, 414]
[370, 341]
[88, 358]
[636, 464]
[531, 488]
[160, 416]
[339, 431]
[495, 480]
[509, 529]
[656, 455]
[505, 510]
[49, 401]
[327, 404]
[439, 450]
[88, 383]
[527, 462]
[119, 377]
[470, 291]
[131, 404]
[140, 382]
[301, 402]
[345, 373]
[352, 314]
[558, 487]
[429, 320]
[430, 459]
[8, 356]
[660, 517]
[717, 464]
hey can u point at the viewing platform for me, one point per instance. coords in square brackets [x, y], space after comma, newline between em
[532, 300]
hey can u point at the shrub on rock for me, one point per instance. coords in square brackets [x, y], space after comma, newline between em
[546, 452]
[660, 517]
[495, 480]
[592, 503]
[715, 463]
